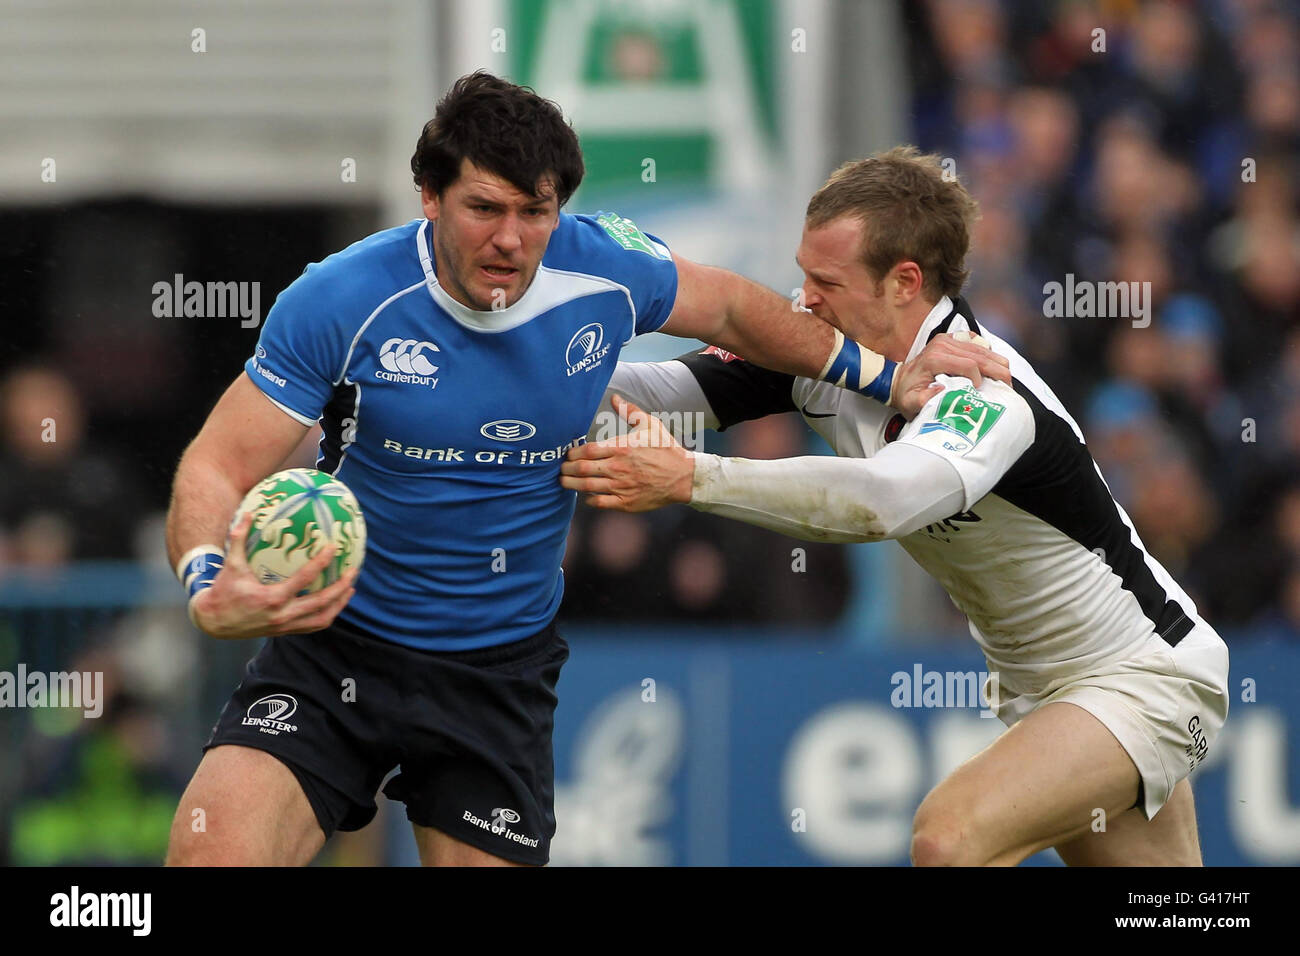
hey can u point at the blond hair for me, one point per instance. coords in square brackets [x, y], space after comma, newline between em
[910, 210]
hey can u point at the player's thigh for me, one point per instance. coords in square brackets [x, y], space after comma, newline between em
[1035, 786]
[438, 849]
[253, 813]
[1167, 839]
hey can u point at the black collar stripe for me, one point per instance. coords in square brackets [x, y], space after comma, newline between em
[960, 307]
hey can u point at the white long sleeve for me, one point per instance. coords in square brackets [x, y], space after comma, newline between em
[896, 492]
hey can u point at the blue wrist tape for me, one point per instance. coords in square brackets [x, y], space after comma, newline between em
[845, 370]
[199, 569]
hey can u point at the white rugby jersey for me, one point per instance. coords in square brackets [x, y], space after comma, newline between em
[991, 490]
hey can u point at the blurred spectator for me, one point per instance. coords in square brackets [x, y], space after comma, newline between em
[684, 565]
[61, 498]
[1123, 427]
[730, 571]
[99, 790]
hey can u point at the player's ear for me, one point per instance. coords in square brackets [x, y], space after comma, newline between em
[907, 282]
[429, 200]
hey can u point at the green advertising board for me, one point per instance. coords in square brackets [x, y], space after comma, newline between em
[685, 84]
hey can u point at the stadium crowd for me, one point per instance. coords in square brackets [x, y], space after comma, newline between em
[1158, 143]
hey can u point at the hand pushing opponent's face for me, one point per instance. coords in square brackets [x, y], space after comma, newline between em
[489, 237]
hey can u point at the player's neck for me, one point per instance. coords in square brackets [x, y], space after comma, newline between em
[895, 342]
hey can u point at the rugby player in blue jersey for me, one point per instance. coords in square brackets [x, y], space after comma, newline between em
[451, 363]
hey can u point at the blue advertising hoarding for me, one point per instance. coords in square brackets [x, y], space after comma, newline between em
[671, 751]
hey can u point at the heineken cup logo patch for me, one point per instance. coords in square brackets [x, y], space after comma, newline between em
[626, 234]
[968, 414]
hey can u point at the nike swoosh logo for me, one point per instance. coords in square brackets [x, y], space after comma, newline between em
[808, 414]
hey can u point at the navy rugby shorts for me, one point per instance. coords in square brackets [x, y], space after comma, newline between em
[469, 730]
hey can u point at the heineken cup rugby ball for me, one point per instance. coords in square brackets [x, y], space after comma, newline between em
[296, 513]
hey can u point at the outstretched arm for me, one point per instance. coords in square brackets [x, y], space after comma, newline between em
[951, 457]
[733, 313]
[815, 498]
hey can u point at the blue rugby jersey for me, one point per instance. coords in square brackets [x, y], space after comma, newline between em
[450, 424]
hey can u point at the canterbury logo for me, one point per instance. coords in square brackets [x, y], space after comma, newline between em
[406, 355]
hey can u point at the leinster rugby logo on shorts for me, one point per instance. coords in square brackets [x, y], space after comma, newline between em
[269, 715]
[587, 348]
[965, 416]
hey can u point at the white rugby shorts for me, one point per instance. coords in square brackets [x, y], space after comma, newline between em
[1165, 706]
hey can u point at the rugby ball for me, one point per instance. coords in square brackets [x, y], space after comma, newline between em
[296, 513]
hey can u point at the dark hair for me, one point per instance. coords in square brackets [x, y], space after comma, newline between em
[910, 209]
[505, 129]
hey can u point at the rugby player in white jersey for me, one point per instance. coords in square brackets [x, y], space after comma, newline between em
[1112, 685]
